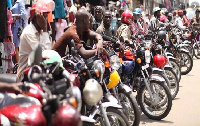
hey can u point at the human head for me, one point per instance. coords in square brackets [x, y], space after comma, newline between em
[82, 20]
[127, 17]
[107, 17]
[184, 12]
[169, 16]
[180, 13]
[69, 4]
[98, 12]
[197, 12]
[156, 12]
[38, 8]
[136, 14]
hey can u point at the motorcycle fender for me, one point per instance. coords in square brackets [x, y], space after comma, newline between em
[111, 104]
[87, 119]
[157, 69]
[156, 78]
[168, 66]
[168, 54]
[186, 42]
[184, 50]
[171, 57]
[125, 87]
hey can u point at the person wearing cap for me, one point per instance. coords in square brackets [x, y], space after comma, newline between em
[155, 19]
[179, 20]
[195, 21]
[33, 34]
[135, 27]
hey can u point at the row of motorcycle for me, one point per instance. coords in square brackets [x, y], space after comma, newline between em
[101, 91]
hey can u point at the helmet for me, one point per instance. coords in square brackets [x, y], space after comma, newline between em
[129, 55]
[162, 35]
[163, 18]
[156, 9]
[137, 11]
[113, 80]
[41, 7]
[92, 92]
[159, 60]
[126, 17]
[52, 56]
[164, 10]
[180, 12]
[170, 15]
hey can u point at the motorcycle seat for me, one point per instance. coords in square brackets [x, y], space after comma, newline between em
[8, 78]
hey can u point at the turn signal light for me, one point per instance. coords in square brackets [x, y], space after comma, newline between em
[73, 102]
[97, 72]
[120, 59]
[139, 60]
[107, 64]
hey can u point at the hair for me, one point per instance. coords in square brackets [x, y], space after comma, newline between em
[184, 12]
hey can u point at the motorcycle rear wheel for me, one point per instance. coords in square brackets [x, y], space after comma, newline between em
[165, 101]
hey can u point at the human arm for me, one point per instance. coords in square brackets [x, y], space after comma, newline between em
[95, 36]
[10, 87]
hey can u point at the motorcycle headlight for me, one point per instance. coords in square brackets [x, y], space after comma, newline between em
[113, 80]
[147, 56]
[92, 92]
[115, 62]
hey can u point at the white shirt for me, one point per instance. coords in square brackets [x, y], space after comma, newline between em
[179, 23]
[29, 40]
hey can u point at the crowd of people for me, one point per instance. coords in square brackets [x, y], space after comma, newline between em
[53, 24]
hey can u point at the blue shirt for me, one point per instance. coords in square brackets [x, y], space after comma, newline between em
[19, 8]
[59, 9]
[9, 4]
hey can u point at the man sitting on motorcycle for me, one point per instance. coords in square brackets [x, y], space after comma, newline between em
[124, 31]
[179, 20]
[155, 20]
[33, 34]
[80, 32]
[136, 27]
[195, 21]
[104, 28]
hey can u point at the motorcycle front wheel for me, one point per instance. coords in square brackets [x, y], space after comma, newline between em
[185, 61]
[196, 47]
[115, 116]
[158, 108]
[176, 68]
[130, 107]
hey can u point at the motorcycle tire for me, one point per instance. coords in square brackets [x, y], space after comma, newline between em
[113, 111]
[167, 82]
[196, 48]
[129, 96]
[167, 102]
[189, 58]
[190, 49]
[174, 87]
[176, 68]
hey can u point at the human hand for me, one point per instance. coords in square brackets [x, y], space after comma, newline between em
[99, 48]
[15, 88]
[41, 21]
